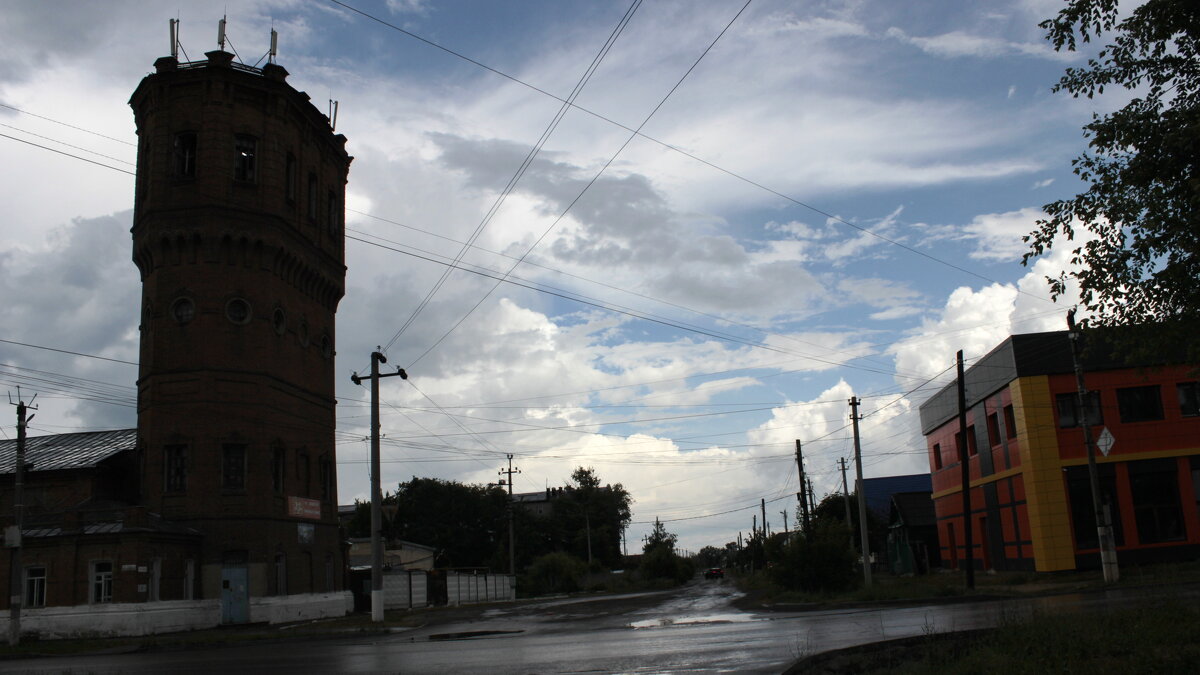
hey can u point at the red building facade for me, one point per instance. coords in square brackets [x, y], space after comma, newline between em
[1031, 502]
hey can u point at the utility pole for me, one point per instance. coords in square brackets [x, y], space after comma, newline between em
[785, 525]
[376, 492]
[801, 495]
[862, 496]
[812, 503]
[965, 458]
[12, 538]
[512, 556]
[1108, 549]
[846, 499]
[766, 530]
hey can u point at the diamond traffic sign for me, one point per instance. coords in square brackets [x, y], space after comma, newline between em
[1106, 441]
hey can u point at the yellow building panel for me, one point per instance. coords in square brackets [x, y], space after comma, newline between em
[1045, 494]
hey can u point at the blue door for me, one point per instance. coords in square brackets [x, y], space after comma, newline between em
[235, 594]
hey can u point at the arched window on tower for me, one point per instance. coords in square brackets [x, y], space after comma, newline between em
[184, 152]
[245, 162]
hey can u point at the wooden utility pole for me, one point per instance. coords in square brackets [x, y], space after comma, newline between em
[864, 540]
[846, 499]
[803, 494]
[512, 556]
[1108, 548]
[964, 457]
[785, 525]
[376, 492]
[766, 530]
[12, 538]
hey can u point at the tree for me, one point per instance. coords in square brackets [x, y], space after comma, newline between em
[1143, 202]
[592, 517]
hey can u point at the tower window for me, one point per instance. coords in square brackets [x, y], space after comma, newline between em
[312, 196]
[277, 469]
[238, 311]
[279, 321]
[183, 310]
[326, 469]
[326, 347]
[185, 154]
[289, 178]
[245, 158]
[175, 468]
[233, 466]
[331, 217]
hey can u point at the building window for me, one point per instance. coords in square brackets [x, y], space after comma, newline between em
[1140, 404]
[279, 321]
[972, 447]
[280, 574]
[289, 178]
[184, 151]
[35, 586]
[189, 580]
[1189, 398]
[993, 429]
[302, 472]
[331, 213]
[183, 310]
[1083, 516]
[1068, 410]
[312, 196]
[245, 158]
[102, 581]
[937, 456]
[277, 469]
[233, 466]
[1154, 488]
[238, 311]
[1010, 422]
[326, 471]
[175, 468]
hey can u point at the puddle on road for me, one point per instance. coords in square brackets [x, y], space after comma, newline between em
[693, 620]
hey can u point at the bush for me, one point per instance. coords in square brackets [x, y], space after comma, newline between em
[554, 573]
[824, 562]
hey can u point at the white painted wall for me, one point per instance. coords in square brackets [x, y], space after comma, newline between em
[149, 618]
[396, 589]
[465, 589]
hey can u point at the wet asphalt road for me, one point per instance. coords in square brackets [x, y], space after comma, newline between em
[693, 630]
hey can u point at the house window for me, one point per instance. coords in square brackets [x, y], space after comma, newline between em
[233, 466]
[937, 456]
[1140, 404]
[245, 158]
[993, 428]
[1154, 487]
[1010, 422]
[277, 469]
[972, 447]
[102, 581]
[1189, 398]
[175, 468]
[184, 152]
[35, 586]
[289, 178]
[280, 574]
[1068, 410]
[189, 580]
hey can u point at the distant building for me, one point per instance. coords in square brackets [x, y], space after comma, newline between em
[1031, 505]
[225, 496]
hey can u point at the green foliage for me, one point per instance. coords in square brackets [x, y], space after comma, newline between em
[1143, 201]
[659, 560]
[710, 556]
[588, 510]
[554, 573]
[659, 538]
[466, 524]
[823, 562]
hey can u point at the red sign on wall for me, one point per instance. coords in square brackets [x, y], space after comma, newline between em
[302, 507]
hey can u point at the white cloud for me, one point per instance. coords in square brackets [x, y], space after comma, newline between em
[956, 44]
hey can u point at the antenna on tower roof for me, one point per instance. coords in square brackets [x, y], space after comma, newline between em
[274, 47]
[221, 33]
[333, 108]
[175, 38]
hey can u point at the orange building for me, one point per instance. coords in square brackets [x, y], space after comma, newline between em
[1031, 505]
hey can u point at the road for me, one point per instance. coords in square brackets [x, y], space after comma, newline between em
[692, 630]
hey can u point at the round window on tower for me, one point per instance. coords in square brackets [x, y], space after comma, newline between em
[279, 321]
[183, 310]
[237, 310]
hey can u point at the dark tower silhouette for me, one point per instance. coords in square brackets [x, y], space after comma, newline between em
[238, 235]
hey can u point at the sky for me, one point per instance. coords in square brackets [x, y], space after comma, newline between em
[748, 216]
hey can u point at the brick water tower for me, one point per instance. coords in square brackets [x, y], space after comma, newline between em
[238, 236]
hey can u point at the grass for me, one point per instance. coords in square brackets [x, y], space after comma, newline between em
[1142, 639]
